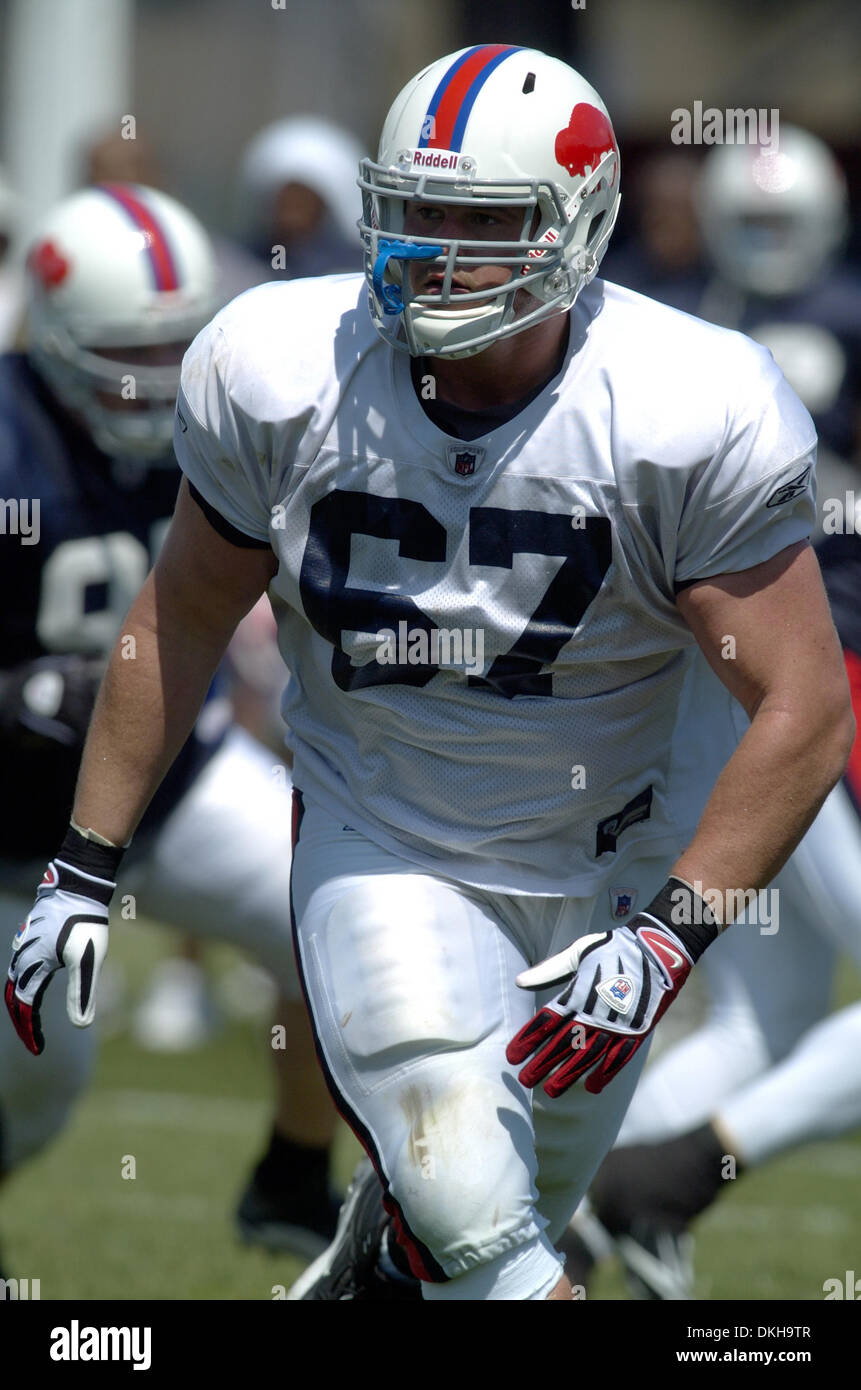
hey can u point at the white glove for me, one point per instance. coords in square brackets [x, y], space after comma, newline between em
[616, 986]
[68, 926]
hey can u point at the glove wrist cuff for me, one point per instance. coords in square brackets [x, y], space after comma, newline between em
[89, 857]
[686, 914]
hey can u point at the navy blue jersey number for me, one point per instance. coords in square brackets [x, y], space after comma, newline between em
[496, 535]
[332, 607]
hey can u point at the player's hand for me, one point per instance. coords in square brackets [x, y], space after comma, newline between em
[614, 988]
[68, 926]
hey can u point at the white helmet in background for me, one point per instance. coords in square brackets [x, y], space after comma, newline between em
[119, 271]
[772, 218]
[306, 150]
[489, 127]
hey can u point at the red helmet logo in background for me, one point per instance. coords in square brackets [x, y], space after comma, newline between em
[587, 136]
[48, 264]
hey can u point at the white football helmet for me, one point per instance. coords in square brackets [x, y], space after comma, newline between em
[306, 150]
[772, 218]
[492, 126]
[115, 269]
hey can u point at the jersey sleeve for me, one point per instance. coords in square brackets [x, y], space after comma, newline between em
[216, 443]
[756, 495]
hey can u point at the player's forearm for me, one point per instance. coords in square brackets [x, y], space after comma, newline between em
[156, 682]
[765, 799]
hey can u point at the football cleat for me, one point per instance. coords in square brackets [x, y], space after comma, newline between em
[645, 1196]
[349, 1269]
[658, 1262]
[584, 1243]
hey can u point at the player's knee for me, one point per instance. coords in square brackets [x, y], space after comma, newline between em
[463, 1213]
[531, 1271]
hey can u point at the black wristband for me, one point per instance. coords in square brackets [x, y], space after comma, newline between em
[686, 914]
[102, 861]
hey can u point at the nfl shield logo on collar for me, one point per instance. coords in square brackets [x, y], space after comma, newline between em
[464, 461]
[622, 902]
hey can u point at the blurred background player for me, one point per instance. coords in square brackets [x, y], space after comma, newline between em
[751, 239]
[300, 204]
[111, 159]
[774, 224]
[768, 1068]
[666, 258]
[298, 188]
[122, 279]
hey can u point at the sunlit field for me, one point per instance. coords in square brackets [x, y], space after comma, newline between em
[194, 1124]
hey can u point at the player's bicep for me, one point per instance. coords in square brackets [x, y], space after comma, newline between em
[767, 632]
[204, 580]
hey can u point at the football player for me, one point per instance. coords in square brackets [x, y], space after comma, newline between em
[761, 1074]
[775, 225]
[123, 279]
[499, 506]
[297, 180]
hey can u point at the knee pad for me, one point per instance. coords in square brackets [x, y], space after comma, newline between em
[464, 1172]
[404, 969]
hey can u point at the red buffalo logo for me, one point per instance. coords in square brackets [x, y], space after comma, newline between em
[586, 138]
[48, 264]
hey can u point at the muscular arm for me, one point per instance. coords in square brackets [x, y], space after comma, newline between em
[181, 622]
[788, 674]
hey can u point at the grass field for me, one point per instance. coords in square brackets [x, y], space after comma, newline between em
[194, 1123]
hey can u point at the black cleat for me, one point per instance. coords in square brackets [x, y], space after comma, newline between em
[646, 1195]
[348, 1269]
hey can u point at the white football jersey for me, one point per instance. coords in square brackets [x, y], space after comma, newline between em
[488, 667]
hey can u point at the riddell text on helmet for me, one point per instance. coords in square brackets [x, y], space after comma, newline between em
[436, 159]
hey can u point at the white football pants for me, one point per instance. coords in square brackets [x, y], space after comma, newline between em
[411, 985]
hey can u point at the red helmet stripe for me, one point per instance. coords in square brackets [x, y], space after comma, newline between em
[158, 249]
[455, 96]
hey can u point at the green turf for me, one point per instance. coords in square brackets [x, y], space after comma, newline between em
[194, 1124]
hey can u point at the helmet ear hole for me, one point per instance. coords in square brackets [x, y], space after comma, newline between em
[595, 228]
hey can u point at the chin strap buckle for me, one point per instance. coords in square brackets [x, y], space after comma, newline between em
[391, 295]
